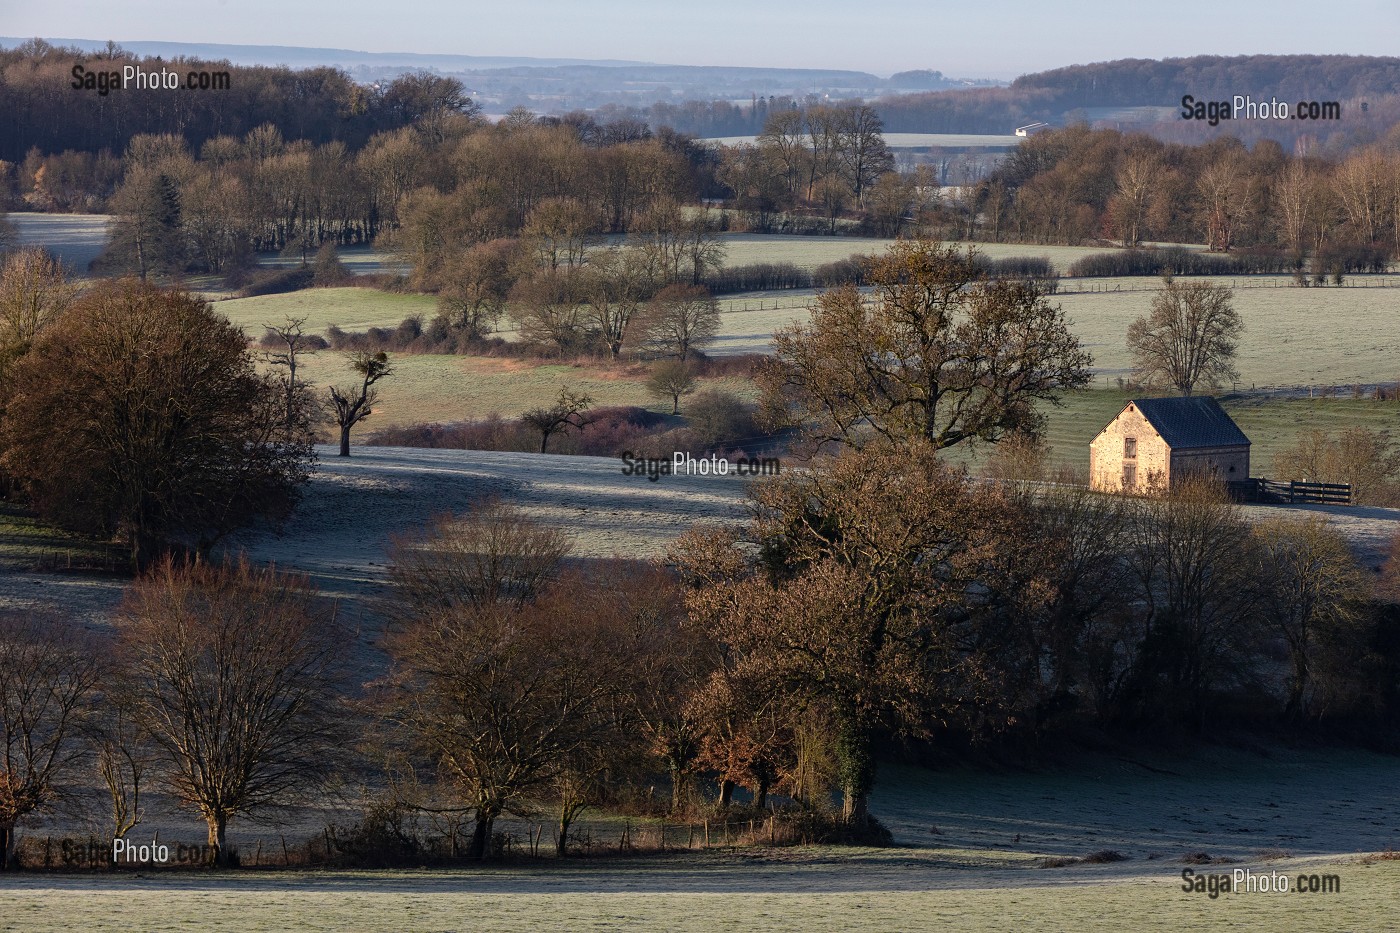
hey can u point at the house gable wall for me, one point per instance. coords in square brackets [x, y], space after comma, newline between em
[1106, 454]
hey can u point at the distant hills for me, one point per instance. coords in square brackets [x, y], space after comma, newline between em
[502, 82]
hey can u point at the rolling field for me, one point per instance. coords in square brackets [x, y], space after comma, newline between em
[352, 309]
[76, 239]
[1292, 336]
[430, 387]
[839, 892]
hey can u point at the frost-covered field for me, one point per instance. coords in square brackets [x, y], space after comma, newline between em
[970, 855]
[841, 892]
[77, 239]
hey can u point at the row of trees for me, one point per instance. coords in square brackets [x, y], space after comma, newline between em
[1077, 184]
[319, 105]
[880, 596]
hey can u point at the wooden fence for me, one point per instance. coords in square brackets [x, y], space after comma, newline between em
[1293, 492]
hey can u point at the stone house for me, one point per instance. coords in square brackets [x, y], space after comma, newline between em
[1155, 442]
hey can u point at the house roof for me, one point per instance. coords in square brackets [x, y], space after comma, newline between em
[1194, 421]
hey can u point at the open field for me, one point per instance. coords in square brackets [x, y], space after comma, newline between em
[1294, 810]
[1292, 337]
[434, 387]
[837, 892]
[1291, 810]
[808, 252]
[77, 239]
[353, 309]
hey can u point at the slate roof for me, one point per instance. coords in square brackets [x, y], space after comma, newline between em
[1195, 421]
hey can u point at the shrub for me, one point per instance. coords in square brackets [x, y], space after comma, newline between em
[719, 417]
[278, 282]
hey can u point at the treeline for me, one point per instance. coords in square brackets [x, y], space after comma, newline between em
[1077, 185]
[426, 190]
[47, 115]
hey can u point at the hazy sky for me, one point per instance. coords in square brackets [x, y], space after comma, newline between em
[971, 38]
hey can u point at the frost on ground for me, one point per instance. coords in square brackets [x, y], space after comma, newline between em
[354, 505]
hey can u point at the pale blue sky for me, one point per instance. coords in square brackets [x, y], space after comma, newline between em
[976, 38]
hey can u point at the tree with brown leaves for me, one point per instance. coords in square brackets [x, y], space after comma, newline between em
[149, 402]
[936, 355]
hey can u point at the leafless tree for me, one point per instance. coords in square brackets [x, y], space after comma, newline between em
[354, 403]
[233, 671]
[680, 320]
[492, 554]
[292, 342]
[33, 292]
[568, 413]
[1314, 596]
[1189, 338]
[48, 673]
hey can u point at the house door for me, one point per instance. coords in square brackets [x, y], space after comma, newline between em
[1130, 476]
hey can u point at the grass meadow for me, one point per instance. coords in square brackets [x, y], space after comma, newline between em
[637, 897]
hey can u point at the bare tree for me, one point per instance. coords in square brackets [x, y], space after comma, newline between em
[125, 758]
[293, 342]
[616, 283]
[1189, 338]
[569, 412]
[354, 403]
[1314, 596]
[671, 379]
[511, 698]
[680, 320]
[491, 554]
[1135, 182]
[233, 671]
[47, 676]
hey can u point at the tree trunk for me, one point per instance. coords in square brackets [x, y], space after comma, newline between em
[345, 440]
[678, 790]
[726, 793]
[675, 404]
[8, 839]
[760, 797]
[481, 835]
[218, 839]
[544, 441]
[561, 845]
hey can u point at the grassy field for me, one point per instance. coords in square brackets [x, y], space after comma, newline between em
[455, 388]
[970, 854]
[349, 308]
[637, 897]
[77, 239]
[1292, 336]
[808, 252]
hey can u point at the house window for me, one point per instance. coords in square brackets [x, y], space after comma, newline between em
[1130, 476]
[1130, 447]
